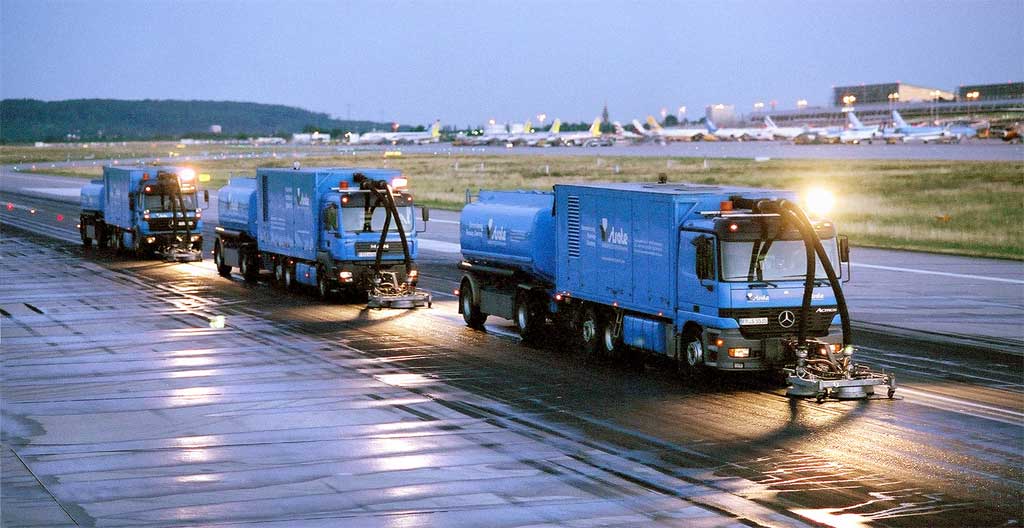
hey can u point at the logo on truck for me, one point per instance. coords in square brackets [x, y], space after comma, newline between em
[611, 235]
[787, 318]
[495, 233]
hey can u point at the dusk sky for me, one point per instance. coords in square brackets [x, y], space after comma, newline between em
[468, 61]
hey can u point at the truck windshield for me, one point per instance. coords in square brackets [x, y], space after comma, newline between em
[783, 260]
[352, 219]
[163, 202]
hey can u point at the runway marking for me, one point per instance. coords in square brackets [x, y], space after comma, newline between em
[927, 396]
[942, 273]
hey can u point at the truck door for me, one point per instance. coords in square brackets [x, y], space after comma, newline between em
[698, 278]
[330, 225]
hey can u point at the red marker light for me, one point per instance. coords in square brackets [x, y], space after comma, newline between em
[10, 206]
[60, 217]
[734, 227]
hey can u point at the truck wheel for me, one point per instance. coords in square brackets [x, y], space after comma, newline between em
[529, 317]
[250, 272]
[101, 236]
[289, 277]
[471, 313]
[691, 357]
[218, 257]
[323, 288]
[611, 345]
[278, 273]
[587, 326]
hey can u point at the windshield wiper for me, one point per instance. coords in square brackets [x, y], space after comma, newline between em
[762, 284]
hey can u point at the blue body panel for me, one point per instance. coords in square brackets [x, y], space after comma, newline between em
[236, 205]
[289, 219]
[619, 243]
[511, 229]
[92, 196]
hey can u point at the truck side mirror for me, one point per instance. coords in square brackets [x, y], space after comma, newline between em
[844, 248]
[425, 213]
[131, 202]
[206, 196]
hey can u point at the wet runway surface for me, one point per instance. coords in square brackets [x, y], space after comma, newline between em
[125, 406]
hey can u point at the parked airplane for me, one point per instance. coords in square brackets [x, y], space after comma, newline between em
[904, 132]
[588, 138]
[536, 139]
[622, 134]
[395, 138]
[782, 132]
[676, 133]
[857, 131]
[739, 134]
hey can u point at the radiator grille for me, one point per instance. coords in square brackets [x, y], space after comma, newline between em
[166, 224]
[818, 322]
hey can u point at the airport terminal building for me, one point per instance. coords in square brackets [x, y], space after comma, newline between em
[885, 93]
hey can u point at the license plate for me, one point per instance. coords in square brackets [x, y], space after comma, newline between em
[750, 321]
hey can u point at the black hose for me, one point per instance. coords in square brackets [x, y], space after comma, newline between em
[811, 239]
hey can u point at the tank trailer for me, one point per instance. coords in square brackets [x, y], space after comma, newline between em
[712, 277]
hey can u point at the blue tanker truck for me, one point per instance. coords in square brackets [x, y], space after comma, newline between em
[340, 230]
[145, 210]
[713, 277]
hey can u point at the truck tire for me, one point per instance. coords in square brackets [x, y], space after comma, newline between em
[587, 327]
[323, 288]
[289, 277]
[691, 358]
[471, 313]
[101, 236]
[529, 317]
[218, 257]
[611, 344]
[250, 272]
[278, 273]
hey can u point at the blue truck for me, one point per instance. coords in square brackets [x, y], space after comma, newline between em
[339, 230]
[712, 277]
[145, 210]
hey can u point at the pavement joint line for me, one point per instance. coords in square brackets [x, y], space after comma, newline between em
[941, 273]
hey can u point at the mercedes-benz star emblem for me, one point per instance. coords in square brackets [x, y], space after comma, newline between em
[787, 318]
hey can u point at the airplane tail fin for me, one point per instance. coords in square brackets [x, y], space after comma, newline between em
[854, 122]
[639, 128]
[711, 126]
[654, 124]
[768, 122]
[435, 130]
[556, 126]
[618, 128]
[898, 119]
[527, 127]
[595, 128]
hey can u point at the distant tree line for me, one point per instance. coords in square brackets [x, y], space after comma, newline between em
[28, 120]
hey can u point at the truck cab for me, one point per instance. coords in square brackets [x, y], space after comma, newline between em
[741, 286]
[144, 209]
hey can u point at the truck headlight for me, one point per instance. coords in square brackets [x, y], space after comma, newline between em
[195, 238]
[150, 240]
[819, 202]
[739, 352]
[345, 276]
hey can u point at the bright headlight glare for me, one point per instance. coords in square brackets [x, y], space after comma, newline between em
[819, 202]
[186, 174]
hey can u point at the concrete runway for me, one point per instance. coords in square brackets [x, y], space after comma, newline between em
[124, 405]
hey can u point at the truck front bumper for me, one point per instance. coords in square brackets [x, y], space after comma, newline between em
[750, 354]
